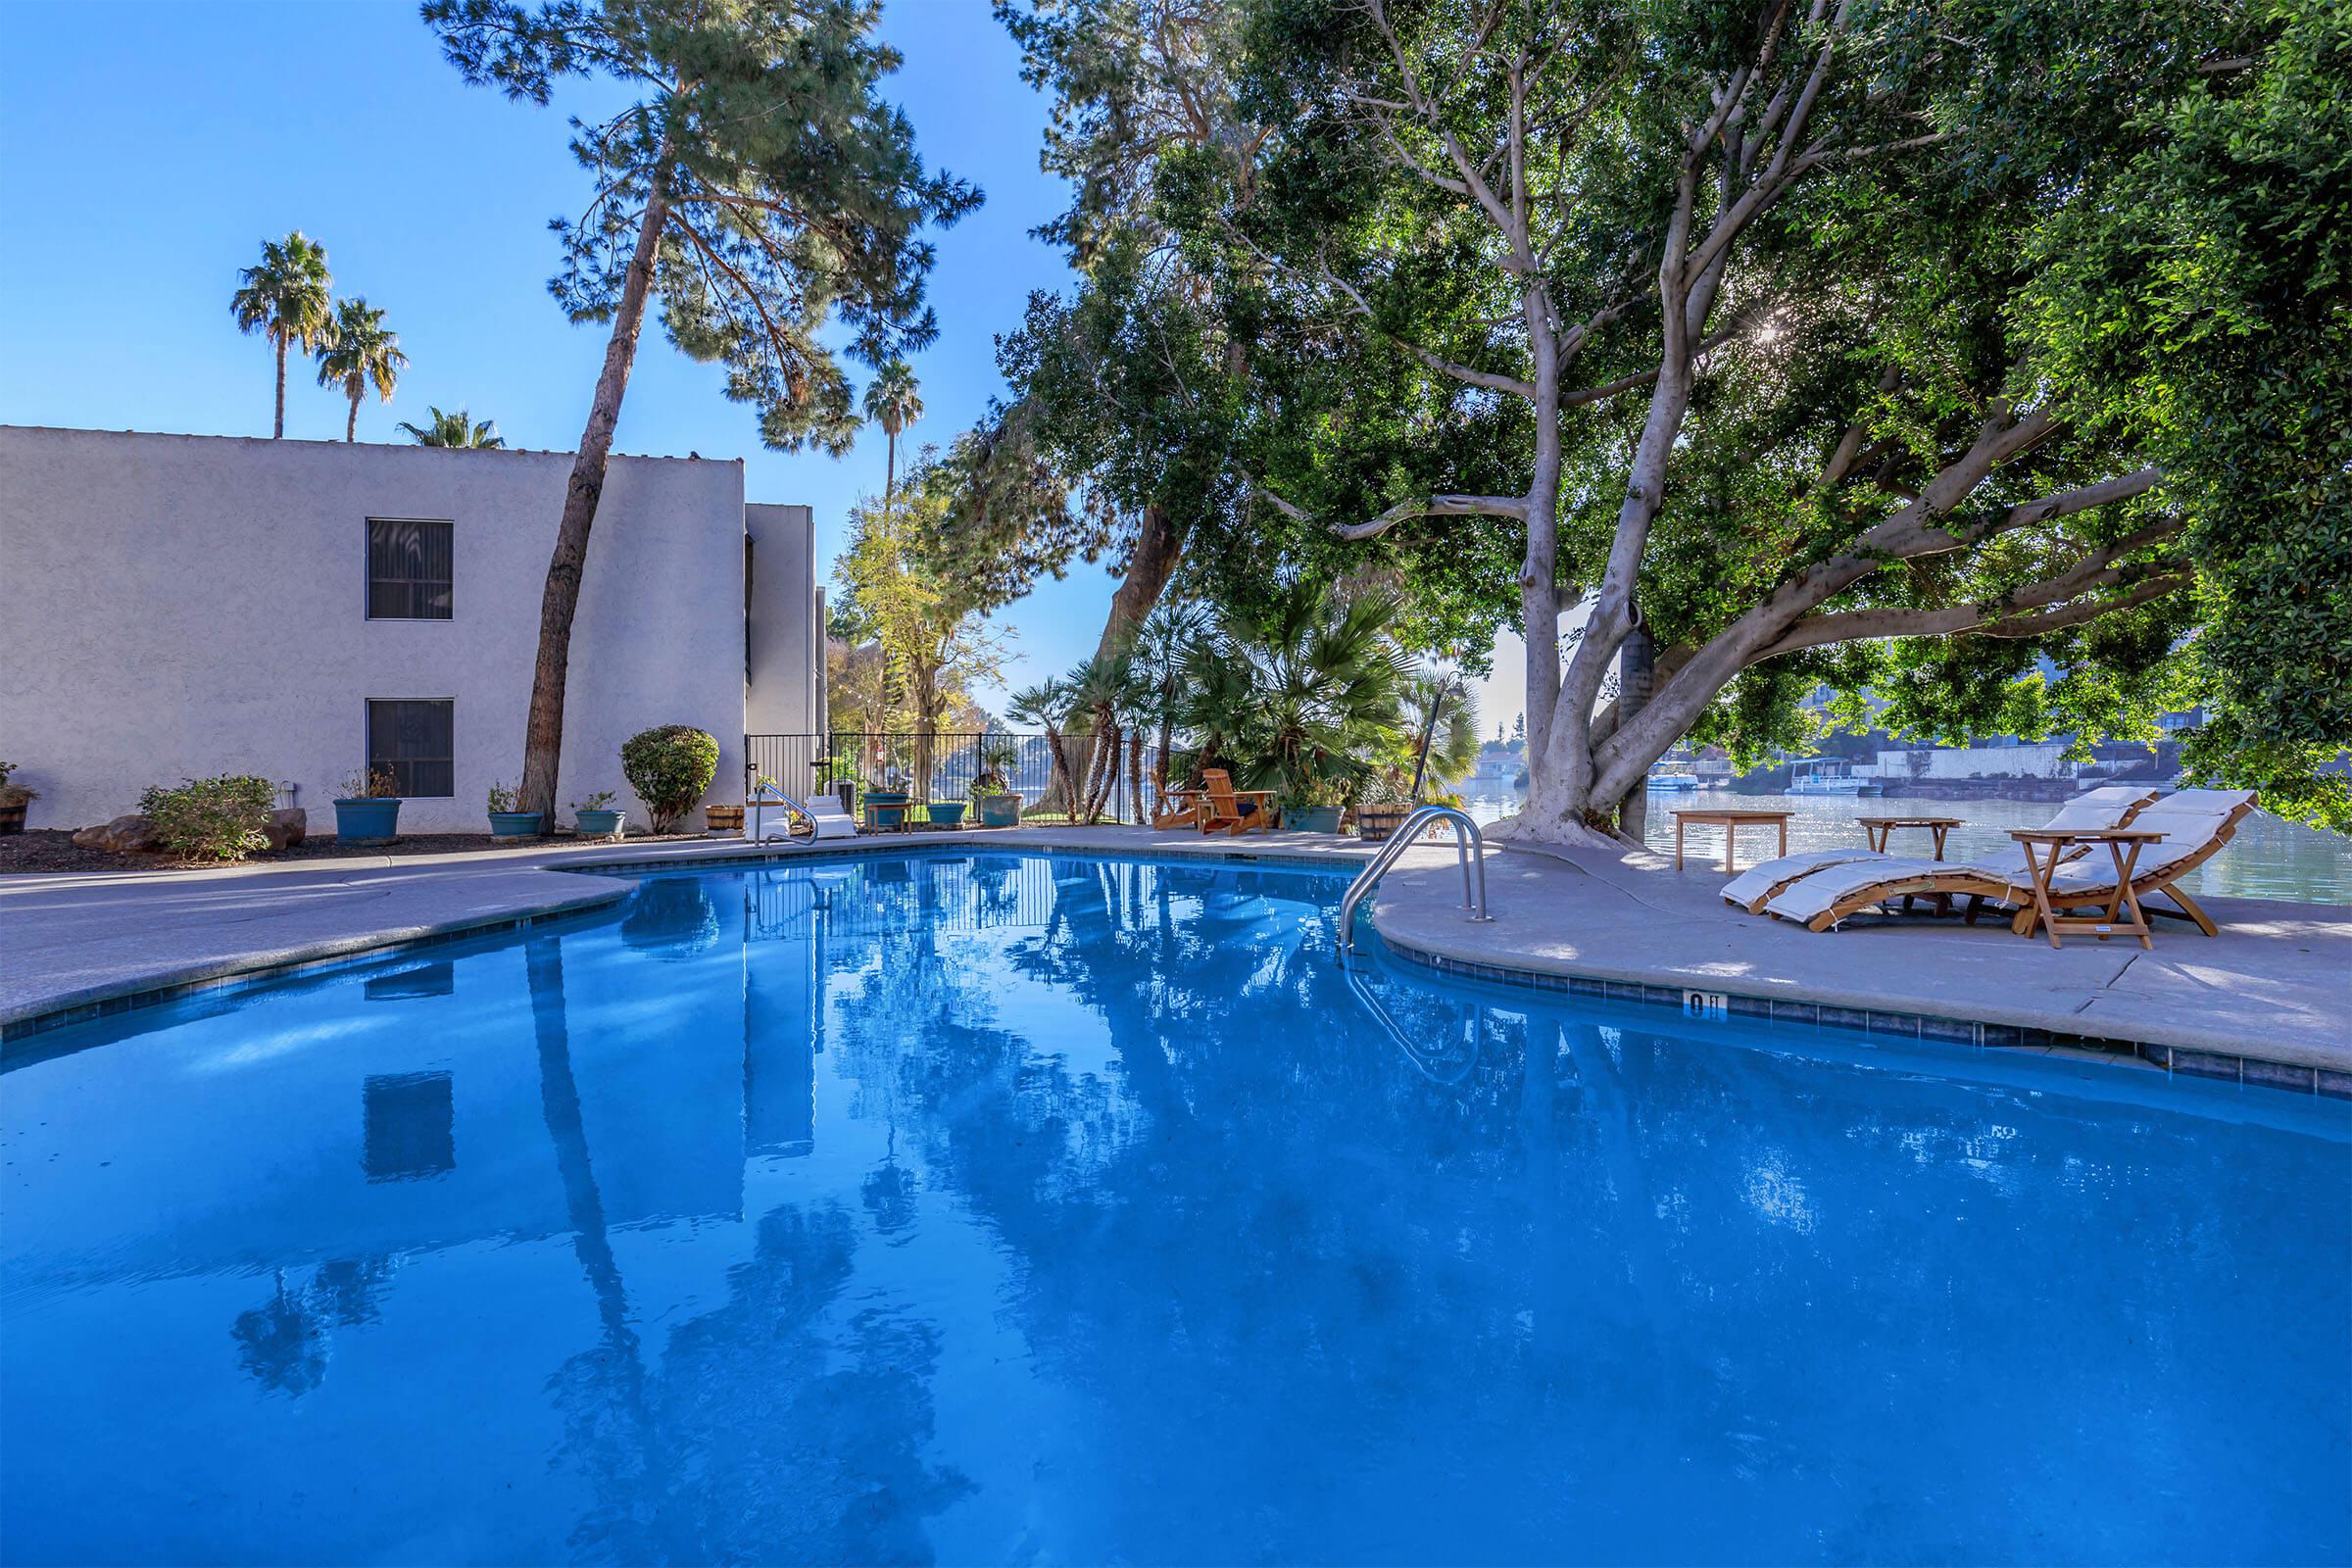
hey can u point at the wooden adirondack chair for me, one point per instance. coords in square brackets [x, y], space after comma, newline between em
[1226, 809]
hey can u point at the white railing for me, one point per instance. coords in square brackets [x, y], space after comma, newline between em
[1469, 849]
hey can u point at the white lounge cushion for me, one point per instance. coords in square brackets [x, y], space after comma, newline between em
[2190, 820]
[1818, 894]
[1758, 880]
[2105, 806]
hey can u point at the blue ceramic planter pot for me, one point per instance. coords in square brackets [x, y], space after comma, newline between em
[1311, 818]
[514, 824]
[886, 807]
[998, 810]
[596, 825]
[368, 821]
[946, 813]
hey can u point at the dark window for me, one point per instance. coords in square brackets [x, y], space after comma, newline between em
[413, 740]
[410, 1126]
[407, 570]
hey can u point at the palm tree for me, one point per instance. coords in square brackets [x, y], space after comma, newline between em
[362, 354]
[1307, 698]
[286, 299]
[894, 400]
[453, 430]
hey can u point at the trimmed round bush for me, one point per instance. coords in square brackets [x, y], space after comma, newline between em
[211, 818]
[669, 767]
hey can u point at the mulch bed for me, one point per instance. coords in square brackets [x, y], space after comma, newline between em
[52, 849]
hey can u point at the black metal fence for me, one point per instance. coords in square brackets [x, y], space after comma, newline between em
[945, 768]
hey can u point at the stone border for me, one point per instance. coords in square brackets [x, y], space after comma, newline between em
[1911, 1026]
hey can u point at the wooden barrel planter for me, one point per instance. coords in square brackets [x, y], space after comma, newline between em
[723, 818]
[1373, 824]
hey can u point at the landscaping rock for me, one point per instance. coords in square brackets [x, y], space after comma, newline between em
[125, 835]
[287, 828]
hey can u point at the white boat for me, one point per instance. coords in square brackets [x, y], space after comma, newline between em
[1821, 781]
[1669, 783]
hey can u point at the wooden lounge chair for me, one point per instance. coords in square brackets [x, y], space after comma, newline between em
[1226, 809]
[1177, 809]
[2195, 824]
[2108, 806]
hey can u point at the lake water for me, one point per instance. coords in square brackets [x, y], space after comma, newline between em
[2269, 857]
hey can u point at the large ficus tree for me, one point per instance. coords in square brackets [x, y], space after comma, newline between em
[1772, 287]
[755, 185]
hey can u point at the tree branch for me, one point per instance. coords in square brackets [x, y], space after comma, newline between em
[1435, 506]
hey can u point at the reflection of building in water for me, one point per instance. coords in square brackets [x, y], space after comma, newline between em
[411, 1126]
[783, 1013]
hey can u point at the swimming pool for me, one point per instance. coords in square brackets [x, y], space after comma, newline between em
[1037, 1207]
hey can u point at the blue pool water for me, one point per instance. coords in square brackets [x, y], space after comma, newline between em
[1045, 1209]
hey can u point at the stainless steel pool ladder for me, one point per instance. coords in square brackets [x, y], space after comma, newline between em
[767, 795]
[1469, 847]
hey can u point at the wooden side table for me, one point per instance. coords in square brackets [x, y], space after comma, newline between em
[2124, 845]
[1875, 829]
[1731, 822]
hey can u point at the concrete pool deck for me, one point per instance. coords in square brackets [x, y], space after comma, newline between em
[2275, 986]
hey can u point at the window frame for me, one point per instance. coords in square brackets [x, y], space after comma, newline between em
[368, 577]
[368, 708]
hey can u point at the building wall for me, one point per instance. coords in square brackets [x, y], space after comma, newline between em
[2025, 759]
[786, 651]
[185, 606]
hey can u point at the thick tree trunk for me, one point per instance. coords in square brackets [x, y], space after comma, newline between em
[1637, 677]
[277, 430]
[1158, 545]
[542, 730]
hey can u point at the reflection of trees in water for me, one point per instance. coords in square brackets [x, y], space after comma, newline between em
[1627, 1245]
[672, 916]
[750, 1441]
[805, 1437]
[284, 1344]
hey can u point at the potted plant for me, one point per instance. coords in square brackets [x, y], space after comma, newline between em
[887, 808]
[506, 822]
[1312, 805]
[993, 804]
[368, 812]
[946, 813]
[14, 798]
[595, 818]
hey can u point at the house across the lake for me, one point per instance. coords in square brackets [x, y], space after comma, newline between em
[179, 607]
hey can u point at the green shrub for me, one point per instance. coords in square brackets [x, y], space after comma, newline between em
[669, 767]
[211, 818]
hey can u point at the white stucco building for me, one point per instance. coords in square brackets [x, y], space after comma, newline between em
[185, 606]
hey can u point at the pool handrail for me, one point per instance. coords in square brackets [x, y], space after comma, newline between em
[767, 794]
[1470, 850]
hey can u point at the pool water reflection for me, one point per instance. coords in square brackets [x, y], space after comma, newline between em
[1024, 1207]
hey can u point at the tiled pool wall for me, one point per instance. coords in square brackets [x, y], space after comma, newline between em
[1911, 1026]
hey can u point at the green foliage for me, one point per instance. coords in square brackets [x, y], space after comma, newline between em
[600, 800]
[453, 430]
[286, 296]
[502, 798]
[211, 818]
[787, 192]
[2208, 299]
[361, 353]
[14, 794]
[669, 767]
[1307, 698]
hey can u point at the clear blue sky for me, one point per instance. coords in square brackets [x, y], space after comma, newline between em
[146, 150]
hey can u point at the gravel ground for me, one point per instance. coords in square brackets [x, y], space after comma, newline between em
[52, 849]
